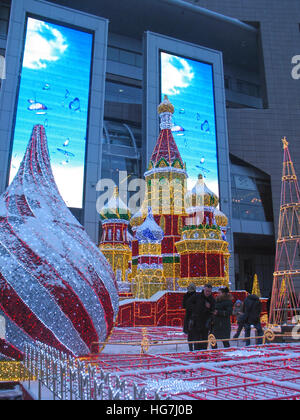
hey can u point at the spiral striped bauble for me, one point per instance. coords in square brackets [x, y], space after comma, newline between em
[55, 285]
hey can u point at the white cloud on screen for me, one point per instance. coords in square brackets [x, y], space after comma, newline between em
[44, 44]
[176, 74]
[69, 181]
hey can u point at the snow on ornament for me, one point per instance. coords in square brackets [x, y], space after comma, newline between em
[56, 287]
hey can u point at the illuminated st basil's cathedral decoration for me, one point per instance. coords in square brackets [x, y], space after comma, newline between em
[179, 236]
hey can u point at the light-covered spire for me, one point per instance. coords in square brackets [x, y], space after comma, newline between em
[166, 111]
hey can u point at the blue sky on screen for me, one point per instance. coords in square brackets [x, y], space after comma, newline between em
[189, 86]
[54, 91]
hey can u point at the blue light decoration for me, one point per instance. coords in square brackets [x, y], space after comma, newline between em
[190, 88]
[54, 92]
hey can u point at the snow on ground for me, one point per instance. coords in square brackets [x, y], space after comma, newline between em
[156, 334]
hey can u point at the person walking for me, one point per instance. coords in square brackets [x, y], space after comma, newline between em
[252, 310]
[238, 309]
[202, 316]
[188, 303]
[222, 313]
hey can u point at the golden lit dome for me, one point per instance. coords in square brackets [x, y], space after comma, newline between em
[139, 217]
[201, 196]
[166, 106]
[220, 218]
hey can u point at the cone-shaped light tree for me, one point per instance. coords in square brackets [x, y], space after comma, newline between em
[286, 283]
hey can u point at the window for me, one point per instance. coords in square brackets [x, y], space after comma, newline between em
[4, 19]
[121, 150]
[248, 88]
[251, 194]
[137, 133]
[118, 134]
[119, 92]
[227, 82]
[124, 56]
[122, 135]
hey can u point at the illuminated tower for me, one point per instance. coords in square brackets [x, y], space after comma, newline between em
[149, 278]
[166, 187]
[286, 284]
[203, 249]
[201, 255]
[115, 239]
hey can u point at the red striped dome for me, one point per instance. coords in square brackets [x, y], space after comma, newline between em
[55, 285]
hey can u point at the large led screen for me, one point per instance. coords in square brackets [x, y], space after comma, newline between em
[190, 88]
[54, 91]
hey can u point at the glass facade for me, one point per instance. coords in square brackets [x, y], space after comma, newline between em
[121, 93]
[120, 151]
[124, 56]
[4, 23]
[252, 207]
[247, 88]
[122, 134]
[251, 193]
[4, 19]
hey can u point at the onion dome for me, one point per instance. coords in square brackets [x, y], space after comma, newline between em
[139, 217]
[166, 106]
[149, 231]
[201, 196]
[115, 209]
[220, 218]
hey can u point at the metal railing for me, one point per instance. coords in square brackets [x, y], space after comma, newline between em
[55, 375]
[145, 343]
[63, 377]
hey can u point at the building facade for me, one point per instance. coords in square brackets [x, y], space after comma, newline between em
[256, 44]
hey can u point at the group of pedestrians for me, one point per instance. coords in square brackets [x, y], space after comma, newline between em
[208, 315]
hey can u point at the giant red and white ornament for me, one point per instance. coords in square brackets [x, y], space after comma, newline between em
[55, 285]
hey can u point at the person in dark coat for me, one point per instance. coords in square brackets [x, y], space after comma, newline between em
[222, 313]
[202, 316]
[189, 301]
[252, 310]
[199, 309]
